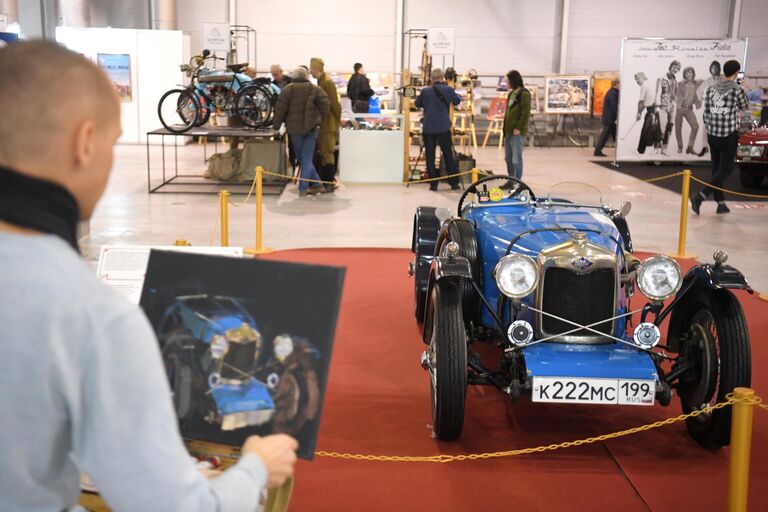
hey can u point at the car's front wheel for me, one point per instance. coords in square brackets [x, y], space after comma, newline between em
[716, 348]
[447, 360]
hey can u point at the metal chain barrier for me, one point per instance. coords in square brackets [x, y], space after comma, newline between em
[730, 400]
[754, 196]
[668, 176]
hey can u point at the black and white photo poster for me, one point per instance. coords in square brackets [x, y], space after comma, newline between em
[663, 84]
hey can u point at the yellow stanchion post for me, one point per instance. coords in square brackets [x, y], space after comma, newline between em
[224, 216]
[741, 444]
[181, 242]
[763, 296]
[684, 215]
[259, 206]
[475, 174]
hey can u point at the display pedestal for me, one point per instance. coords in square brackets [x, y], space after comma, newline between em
[169, 178]
[371, 155]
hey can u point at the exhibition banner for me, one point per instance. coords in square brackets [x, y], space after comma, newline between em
[663, 84]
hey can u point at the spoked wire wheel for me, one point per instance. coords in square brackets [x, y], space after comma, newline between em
[254, 105]
[179, 110]
[716, 345]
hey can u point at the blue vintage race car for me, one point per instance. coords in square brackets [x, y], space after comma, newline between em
[550, 281]
[223, 372]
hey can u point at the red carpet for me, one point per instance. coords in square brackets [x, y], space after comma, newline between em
[378, 403]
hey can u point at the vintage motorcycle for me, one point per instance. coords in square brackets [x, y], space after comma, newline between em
[232, 92]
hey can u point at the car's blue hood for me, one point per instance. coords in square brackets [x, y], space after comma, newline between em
[498, 224]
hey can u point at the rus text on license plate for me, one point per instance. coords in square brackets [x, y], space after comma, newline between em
[593, 391]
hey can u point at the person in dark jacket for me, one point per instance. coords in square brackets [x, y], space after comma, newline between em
[515, 128]
[436, 128]
[359, 90]
[610, 114]
[302, 106]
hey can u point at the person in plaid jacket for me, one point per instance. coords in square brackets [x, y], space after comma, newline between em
[723, 102]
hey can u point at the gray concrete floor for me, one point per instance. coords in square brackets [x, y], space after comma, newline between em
[382, 215]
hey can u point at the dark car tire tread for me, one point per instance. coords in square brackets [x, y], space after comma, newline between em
[463, 233]
[735, 363]
[749, 178]
[450, 345]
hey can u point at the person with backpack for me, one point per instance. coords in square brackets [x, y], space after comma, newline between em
[436, 128]
[515, 129]
[303, 106]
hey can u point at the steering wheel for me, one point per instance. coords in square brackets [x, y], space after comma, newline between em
[518, 188]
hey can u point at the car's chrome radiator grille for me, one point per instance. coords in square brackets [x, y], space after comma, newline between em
[582, 298]
[239, 361]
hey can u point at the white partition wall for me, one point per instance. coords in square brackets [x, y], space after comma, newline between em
[155, 56]
[492, 36]
[342, 32]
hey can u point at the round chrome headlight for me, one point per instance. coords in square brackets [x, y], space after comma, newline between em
[659, 277]
[516, 275]
[219, 346]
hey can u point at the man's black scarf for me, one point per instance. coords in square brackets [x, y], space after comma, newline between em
[39, 205]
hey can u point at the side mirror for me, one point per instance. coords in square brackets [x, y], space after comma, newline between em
[626, 207]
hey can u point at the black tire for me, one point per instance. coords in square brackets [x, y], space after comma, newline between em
[253, 105]
[180, 376]
[448, 361]
[750, 179]
[463, 233]
[717, 342]
[178, 110]
[297, 400]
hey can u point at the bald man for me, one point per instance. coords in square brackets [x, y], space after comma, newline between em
[279, 78]
[82, 380]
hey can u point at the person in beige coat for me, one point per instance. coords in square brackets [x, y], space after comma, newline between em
[302, 106]
[329, 129]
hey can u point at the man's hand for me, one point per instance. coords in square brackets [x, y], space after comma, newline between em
[638, 116]
[515, 132]
[282, 129]
[277, 452]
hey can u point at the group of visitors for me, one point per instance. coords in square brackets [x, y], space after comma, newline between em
[436, 101]
[312, 116]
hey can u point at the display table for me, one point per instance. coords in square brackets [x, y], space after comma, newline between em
[371, 148]
[169, 178]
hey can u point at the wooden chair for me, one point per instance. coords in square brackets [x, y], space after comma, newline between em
[496, 110]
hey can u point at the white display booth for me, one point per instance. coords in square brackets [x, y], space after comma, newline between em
[154, 57]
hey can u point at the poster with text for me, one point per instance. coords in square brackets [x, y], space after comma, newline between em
[246, 343]
[117, 66]
[663, 85]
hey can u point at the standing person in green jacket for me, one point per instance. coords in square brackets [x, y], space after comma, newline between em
[329, 128]
[516, 119]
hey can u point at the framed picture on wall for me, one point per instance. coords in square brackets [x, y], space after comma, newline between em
[567, 95]
[117, 66]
